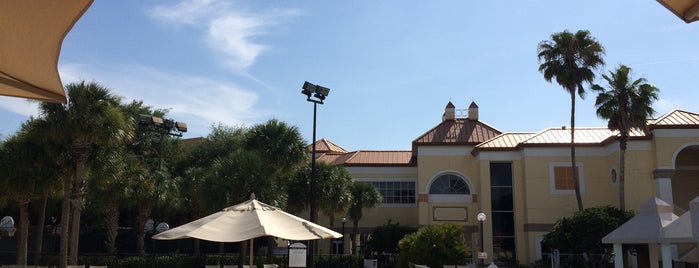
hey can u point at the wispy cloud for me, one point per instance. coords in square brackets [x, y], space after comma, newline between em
[229, 31]
[189, 98]
[19, 106]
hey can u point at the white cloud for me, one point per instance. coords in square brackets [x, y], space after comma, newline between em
[189, 12]
[19, 106]
[229, 31]
[190, 98]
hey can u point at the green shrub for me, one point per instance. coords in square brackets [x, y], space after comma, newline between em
[433, 245]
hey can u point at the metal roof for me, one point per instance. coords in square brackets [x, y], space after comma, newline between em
[505, 141]
[676, 119]
[370, 158]
[458, 131]
[326, 146]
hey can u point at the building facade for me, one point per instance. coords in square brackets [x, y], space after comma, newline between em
[521, 181]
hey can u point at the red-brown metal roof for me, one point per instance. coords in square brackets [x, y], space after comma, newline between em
[370, 158]
[458, 131]
[326, 146]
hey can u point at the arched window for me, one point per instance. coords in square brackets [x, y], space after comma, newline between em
[449, 184]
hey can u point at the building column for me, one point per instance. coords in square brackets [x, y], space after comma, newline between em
[666, 255]
[653, 255]
[663, 179]
[618, 256]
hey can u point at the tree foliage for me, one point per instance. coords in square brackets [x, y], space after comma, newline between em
[384, 239]
[583, 231]
[626, 105]
[434, 245]
[570, 59]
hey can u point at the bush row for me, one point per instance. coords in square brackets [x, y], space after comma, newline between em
[195, 261]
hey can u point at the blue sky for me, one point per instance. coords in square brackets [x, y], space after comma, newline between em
[392, 66]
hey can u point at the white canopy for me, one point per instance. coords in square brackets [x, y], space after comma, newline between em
[248, 220]
[686, 228]
[646, 227]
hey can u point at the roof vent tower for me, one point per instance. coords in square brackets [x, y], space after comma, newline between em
[449, 112]
[473, 111]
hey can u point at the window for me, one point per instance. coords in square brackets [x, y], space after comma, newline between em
[449, 184]
[562, 178]
[613, 177]
[396, 192]
[502, 214]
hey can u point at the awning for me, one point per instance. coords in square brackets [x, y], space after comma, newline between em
[687, 10]
[32, 33]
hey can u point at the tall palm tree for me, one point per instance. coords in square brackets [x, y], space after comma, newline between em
[46, 162]
[364, 195]
[626, 105]
[334, 182]
[283, 149]
[30, 173]
[571, 59]
[89, 119]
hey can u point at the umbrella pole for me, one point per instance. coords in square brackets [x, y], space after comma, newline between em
[251, 251]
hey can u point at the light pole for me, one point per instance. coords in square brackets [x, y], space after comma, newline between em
[481, 219]
[344, 219]
[162, 127]
[315, 94]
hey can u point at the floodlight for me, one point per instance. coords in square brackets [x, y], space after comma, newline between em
[181, 126]
[308, 89]
[157, 121]
[322, 92]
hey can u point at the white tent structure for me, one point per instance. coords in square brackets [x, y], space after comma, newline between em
[647, 227]
[685, 230]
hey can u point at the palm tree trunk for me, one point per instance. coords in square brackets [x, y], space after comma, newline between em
[39, 234]
[76, 210]
[143, 214]
[111, 215]
[65, 221]
[576, 181]
[23, 230]
[332, 225]
[354, 236]
[622, 170]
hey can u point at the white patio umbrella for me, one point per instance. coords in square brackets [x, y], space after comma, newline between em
[32, 33]
[246, 221]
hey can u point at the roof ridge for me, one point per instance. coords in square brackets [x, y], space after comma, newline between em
[666, 115]
[352, 154]
[384, 151]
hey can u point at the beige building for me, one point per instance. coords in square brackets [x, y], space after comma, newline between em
[521, 181]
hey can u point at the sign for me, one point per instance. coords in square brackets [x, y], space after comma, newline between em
[297, 255]
[482, 255]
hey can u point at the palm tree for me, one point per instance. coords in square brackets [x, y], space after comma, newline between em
[47, 164]
[32, 171]
[364, 195]
[334, 182]
[571, 59]
[89, 119]
[626, 105]
[283, 149]
[202, 190]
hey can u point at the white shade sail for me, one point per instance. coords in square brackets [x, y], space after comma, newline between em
[32, 34]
